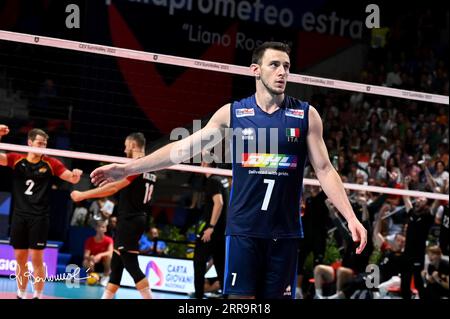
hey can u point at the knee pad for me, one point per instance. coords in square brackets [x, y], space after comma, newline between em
[131, 264]
[116, 269]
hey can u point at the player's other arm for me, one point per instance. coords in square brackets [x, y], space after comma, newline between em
[216, 212]
[103, 191]
[71, 176]
[58, 168]
[4, 130]
[329, 179]
[173, 153]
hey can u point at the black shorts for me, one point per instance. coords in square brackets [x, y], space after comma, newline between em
[29, 232]
[128, 232]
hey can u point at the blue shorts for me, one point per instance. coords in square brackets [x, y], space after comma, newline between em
[260, 267]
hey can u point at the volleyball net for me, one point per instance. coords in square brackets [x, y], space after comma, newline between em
[95, 94]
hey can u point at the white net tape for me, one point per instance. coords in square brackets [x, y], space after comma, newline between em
[198, 169]
[216, 66]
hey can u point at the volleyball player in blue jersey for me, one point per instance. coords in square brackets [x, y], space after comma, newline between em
[263, 223]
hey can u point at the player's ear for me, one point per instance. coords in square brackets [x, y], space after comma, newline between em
[30, 142]
[255, 69]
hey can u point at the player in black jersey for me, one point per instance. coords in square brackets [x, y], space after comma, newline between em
[32, 181]
[420, 220]
[134, 205]
[211, 237]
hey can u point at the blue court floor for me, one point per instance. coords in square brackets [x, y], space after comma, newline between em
[54, 290]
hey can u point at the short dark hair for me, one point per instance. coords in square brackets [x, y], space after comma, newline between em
[35, 132]
[437, 162]
[138, 137]
[259, 51]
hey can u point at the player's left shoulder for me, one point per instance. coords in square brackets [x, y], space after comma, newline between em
[51, 160]
[57, 167]
[291, 102]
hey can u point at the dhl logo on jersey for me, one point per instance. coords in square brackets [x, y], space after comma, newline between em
[43, 170]
[269, 160]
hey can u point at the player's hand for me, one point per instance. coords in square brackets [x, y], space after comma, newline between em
[76, 196]
[76, 175]
[393, 176]
[4, 130]
[97, 258]
[207, 235]
[107, 174]
[77, 172]
[359, 234]
[435, 276]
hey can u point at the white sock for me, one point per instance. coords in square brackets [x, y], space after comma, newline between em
[21, 294]
[107, 294]
[298, 293]
[319, 292]
[338, 295]
[146, 293]
[37, 294]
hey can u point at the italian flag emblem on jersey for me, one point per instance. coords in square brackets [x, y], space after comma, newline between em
[293, 134]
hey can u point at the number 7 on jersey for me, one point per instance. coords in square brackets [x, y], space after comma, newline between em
[270, 184]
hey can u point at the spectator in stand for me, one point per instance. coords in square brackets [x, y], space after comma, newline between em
[376, 170]
[150, 243]
[352, 264]
[392, 259]
[436, 275]
[79, 216]
[440, 176]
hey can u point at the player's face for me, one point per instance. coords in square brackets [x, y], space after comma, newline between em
[399, 243]
[421, 202]
[274, 71]
[434, 258]
[128, 148]
[102, 228]
[154, 232]
[39, 141]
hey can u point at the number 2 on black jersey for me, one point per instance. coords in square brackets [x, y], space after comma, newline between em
[30, 185]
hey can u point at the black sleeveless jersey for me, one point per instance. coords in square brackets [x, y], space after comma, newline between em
[135, 199]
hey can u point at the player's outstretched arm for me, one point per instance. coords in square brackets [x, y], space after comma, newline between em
[72, 176]
[99, 192]
[171, 154]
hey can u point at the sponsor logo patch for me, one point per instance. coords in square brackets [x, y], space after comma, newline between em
[295, 113]
[269, 160]
[248, 134]
[245, 112]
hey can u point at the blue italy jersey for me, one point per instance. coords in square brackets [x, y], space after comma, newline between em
[269, 153]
